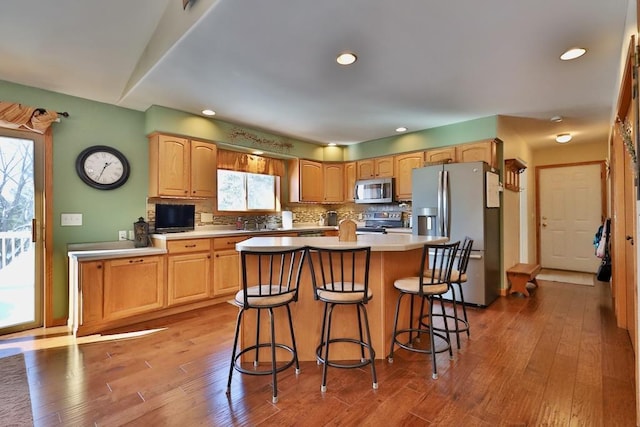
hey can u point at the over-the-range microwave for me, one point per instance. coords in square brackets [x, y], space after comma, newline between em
[378, 190]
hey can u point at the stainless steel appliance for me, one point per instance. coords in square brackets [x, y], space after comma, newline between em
[374, 190]
[427, 221]
[459, 193]
[332, 218]
[378, 222]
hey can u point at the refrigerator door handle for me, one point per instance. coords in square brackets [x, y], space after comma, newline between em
[439, 226]
[445, 203]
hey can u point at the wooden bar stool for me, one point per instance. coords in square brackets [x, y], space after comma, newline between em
[433, 281]
[270, 279]
[341, 277]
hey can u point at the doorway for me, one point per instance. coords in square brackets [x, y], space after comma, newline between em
[570, 203]
[21, 243]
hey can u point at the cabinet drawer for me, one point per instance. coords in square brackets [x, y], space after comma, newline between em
[192, 245]
[228, 242]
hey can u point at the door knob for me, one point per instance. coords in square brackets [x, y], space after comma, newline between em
[630, 238]
[544, 224]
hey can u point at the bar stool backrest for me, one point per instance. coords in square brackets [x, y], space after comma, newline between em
[340, 271]
[465, 254]
[436, 264]
[267, 275]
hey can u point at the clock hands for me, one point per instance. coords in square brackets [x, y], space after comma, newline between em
[102, 171]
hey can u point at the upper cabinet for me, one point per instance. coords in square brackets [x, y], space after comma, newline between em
[179, 167]
[349, 181]
[381, 167]
[404, 165]
[305, 181]
[483, 151]
[440, 155]
[333, 174]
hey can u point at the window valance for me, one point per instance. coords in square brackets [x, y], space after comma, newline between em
[18, 116]
[244, 162]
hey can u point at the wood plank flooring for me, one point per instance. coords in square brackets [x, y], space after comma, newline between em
[554, 359]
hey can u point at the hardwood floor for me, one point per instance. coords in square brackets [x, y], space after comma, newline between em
[554, 359]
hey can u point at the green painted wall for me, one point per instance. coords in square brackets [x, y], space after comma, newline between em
[106, 212]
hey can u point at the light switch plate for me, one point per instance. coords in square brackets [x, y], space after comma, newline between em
[67, 219]
[206, 217]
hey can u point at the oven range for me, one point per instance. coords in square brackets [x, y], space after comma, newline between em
[378, 222]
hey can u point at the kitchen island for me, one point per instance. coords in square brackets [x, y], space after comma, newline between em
[392, 256]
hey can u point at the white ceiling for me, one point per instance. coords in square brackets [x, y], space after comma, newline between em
[271, 64]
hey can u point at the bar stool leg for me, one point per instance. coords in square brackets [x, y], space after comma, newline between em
[255, 360]
[233, 352]
[293, 341]
[323, 387]
[372, 356]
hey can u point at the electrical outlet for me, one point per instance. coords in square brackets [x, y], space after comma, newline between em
[67, 219]
[122, 235]
[130, 234]
[293, 216]
[206, 217]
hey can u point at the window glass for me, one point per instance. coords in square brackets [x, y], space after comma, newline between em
[241, 191]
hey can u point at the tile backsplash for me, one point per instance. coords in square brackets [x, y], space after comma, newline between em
[303, 213]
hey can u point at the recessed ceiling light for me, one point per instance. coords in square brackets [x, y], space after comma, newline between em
[331, 144]
[401, 129]
[556, 119]
[573, 53]
[563, 138]
[208, 112]
[346, 58]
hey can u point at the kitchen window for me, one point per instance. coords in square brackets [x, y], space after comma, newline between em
[243, 191]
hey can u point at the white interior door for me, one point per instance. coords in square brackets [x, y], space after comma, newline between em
[570, 214]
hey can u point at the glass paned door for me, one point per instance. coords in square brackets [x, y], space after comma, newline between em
[20, 213]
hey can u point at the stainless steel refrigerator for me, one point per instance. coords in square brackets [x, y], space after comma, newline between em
[458, 200]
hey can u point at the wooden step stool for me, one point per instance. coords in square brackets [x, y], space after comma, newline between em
[521, 274]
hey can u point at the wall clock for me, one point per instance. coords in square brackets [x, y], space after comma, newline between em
[102, 167]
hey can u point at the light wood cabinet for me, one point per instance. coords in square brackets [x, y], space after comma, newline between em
[333, 174]
[133, 286]
[349, 181]
[483, 151]
[306, 181]
[404, 165]
[381, 167]
[91, 288]
[440, 155]
[226, 265]
[188, 270]
[179, 167]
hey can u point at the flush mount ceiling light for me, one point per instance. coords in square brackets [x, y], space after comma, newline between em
[401, 129]
[573, 53]
[563, 138]
[556, 119]
[257, 152]
[208, 112]
[331, 144]
[346, 58]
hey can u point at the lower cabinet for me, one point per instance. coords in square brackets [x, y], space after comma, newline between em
[226, 265]
[132, 286]
[188, 271]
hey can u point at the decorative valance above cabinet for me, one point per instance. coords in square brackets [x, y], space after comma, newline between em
[512, 170]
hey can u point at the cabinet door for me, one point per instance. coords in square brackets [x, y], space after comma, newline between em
[440, 155]
[404, 165]
[311, 181]
[226, 272]
[477, 152]
[203, 169]
[91, 289]
[384, 167]
[189, 277]
[133, 286]
[349, 181]
[366, 169]
[333, 174]
[168, 166]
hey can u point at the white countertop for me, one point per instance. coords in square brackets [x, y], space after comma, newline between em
[104, 250]
[207, 233]
[377, 242]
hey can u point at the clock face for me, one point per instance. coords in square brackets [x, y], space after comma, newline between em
[102, 167]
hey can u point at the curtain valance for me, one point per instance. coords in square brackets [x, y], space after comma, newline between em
[244, 162]
[18, 116]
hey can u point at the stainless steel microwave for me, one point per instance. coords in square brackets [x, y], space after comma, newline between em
[379, 190]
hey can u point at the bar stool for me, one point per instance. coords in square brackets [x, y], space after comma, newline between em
[341, 277]
[435, 265]
[270, 279]
[458, 277]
